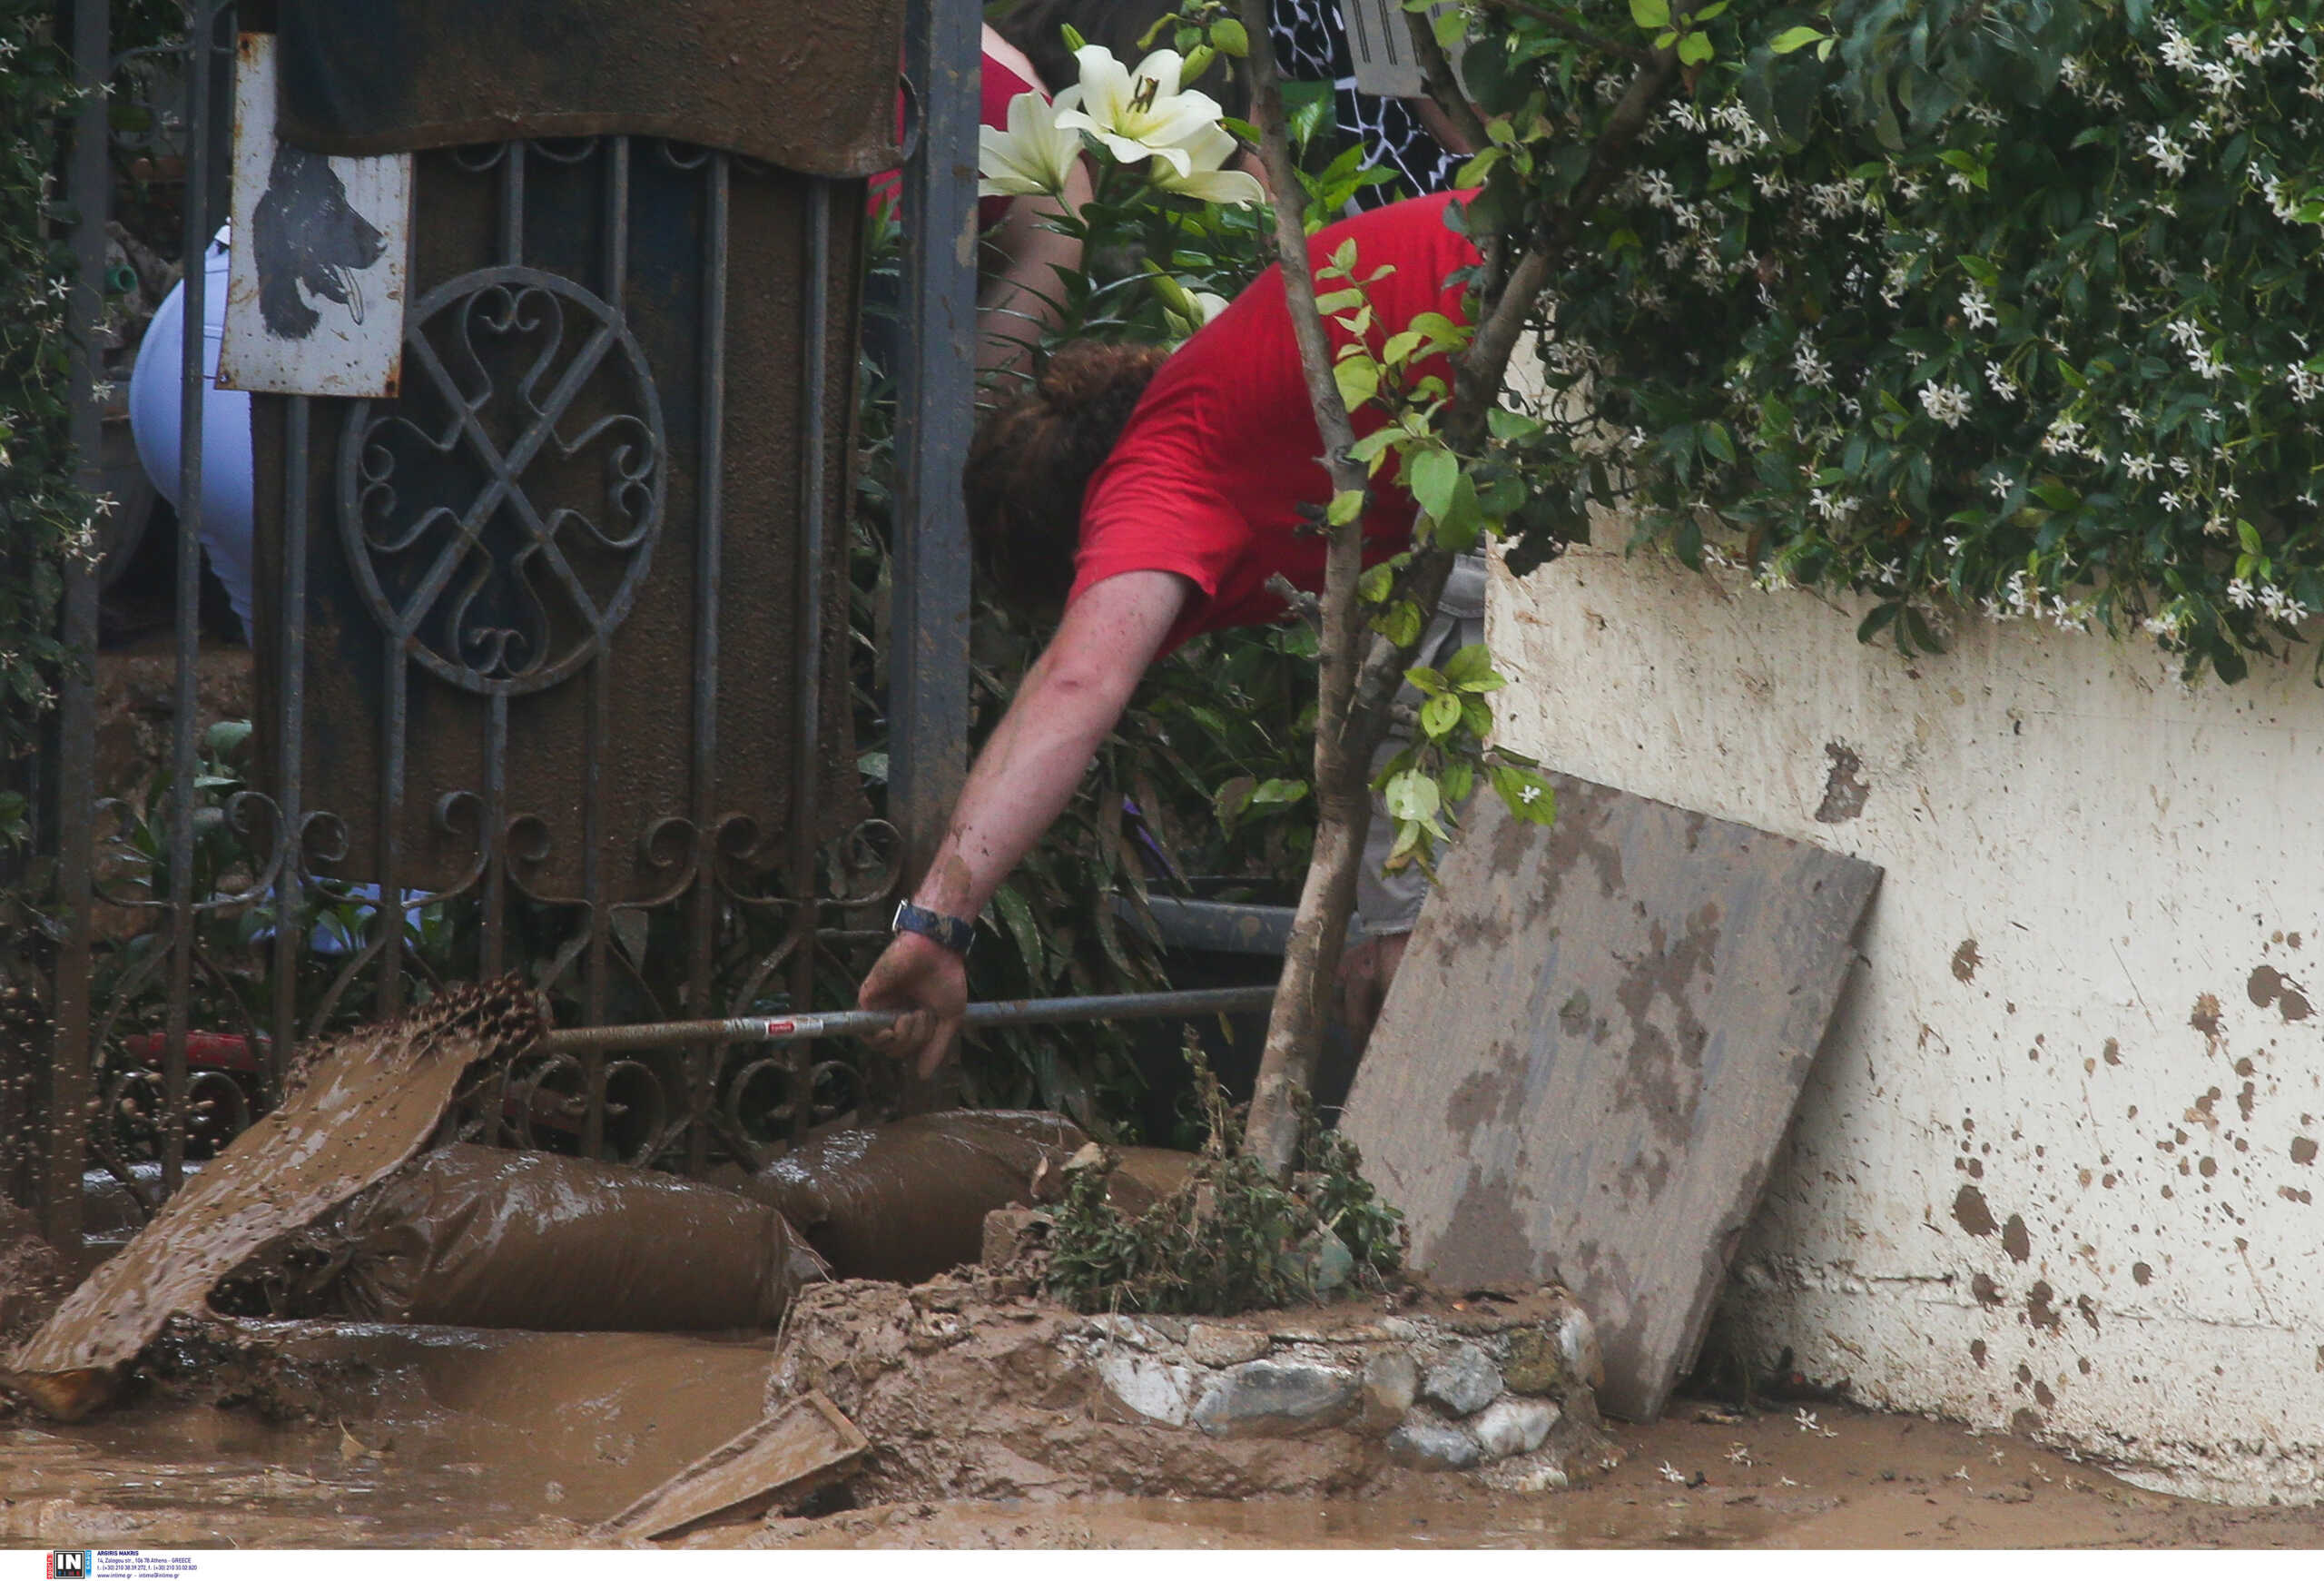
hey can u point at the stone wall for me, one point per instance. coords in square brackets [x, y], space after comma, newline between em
[970, 1390]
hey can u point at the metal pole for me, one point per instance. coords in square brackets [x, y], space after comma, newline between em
[792, 1029]
[927, 664]
[200, 79]
[72, 1075]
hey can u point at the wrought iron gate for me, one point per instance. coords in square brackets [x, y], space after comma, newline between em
[542, 687]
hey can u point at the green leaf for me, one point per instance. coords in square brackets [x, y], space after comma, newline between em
[1400, 623]
[1440, 715]
[1411, 795]
[1345, 506]
[1278, 792]
[1650, 15]
[1452, 27]
[1506, 425]
[1358, 377]
[1696, 48]
[1471, 669]
[1432, 476]
[1527, 794]
[1226, 37]
[1795, 38]
[1025, 931]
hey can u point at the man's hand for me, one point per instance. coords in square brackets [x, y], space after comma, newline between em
[929, 983]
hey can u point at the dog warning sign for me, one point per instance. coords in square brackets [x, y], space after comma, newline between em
[315, 301]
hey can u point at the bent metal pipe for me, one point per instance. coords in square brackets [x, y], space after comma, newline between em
[804, 1028]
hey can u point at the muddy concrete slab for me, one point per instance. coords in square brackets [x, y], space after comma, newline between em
[359, 1107]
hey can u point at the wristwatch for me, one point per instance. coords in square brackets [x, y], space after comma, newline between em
[955, 934]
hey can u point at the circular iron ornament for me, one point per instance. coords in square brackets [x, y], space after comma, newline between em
[483, 590]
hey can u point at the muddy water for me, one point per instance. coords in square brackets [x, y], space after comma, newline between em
[443, 1438]
[1853, 1480]
[481, 1445]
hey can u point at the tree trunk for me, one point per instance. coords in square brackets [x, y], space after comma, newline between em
[1359, 679]
[1295, 1028]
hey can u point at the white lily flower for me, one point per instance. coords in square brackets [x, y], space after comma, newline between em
[1204, 180]
[1138, 115]
[1035, 155]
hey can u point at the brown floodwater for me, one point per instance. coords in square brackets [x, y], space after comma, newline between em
[469, 1438]
[445, 1438]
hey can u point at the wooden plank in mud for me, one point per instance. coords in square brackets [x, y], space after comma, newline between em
[1592, 1053]
[802, 1447]
[369, 1101]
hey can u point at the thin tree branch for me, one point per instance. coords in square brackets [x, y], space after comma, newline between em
[1319, 925]
[1565, 27]
[1436, 75]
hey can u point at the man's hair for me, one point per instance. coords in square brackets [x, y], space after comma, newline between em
[1031, 460]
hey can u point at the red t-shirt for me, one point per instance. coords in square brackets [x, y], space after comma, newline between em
[999, 85]
[1208, 476]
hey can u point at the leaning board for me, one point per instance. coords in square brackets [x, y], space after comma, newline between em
[1590, 1055]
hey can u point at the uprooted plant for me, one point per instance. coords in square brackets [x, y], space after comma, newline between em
[1232, 1237]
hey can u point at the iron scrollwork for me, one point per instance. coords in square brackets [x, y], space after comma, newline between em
[508, 595]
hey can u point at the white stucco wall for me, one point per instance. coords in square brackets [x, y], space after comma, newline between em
[2055, 1168]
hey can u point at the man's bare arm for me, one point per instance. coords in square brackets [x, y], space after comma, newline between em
[1029, 768]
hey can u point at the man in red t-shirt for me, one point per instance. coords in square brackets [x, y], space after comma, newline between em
[1157, 498]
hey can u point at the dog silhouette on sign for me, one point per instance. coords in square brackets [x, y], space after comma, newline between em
[306, 236]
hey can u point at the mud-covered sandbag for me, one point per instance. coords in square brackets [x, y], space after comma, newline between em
[907, 1200]
[484, 1237]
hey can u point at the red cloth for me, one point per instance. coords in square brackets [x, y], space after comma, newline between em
[1208, 476]
[999, 85]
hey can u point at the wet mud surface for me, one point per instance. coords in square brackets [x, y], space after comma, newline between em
[492, 1451]
[1883, 1481]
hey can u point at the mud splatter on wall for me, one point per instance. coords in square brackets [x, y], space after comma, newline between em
[2069, 1114]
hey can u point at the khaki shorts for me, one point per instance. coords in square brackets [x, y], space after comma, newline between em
[1390, 903]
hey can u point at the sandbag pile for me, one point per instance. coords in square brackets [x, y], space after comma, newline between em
[482, 1238]
[907, 1200]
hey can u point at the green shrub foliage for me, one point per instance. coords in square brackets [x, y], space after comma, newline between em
[2000, 309]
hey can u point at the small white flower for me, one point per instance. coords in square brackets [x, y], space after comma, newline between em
[2240, 594]
[1947, 403]
[1978, 310]
[1670, 1473]
[1805, 1420]
[1655, 189]
[1740, 1455]
[2002, 384]
[1532, 794]
[2000, 483]
[2166, 153]
[1808, 364]
[2140, 468]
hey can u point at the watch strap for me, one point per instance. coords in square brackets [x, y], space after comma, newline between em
[955, 934]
